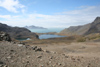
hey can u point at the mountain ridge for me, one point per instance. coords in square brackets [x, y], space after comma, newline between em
[34, 27]
[86, 29]
[17, 32]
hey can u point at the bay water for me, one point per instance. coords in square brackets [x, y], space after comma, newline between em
[46, 36]
[46, 30]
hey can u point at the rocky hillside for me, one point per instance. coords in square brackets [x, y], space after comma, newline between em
[93, 27]
[17, 32]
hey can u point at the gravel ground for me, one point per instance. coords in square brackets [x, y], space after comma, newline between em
[57, 55]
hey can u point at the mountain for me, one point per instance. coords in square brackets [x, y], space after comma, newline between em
[90, 28]
[17, 32]
[34, 27]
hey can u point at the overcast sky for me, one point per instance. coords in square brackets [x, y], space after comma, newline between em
[48, 13]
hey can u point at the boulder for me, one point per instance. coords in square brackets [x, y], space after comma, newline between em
[4, 36]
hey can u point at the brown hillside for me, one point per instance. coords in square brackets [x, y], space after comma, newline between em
[93, 27]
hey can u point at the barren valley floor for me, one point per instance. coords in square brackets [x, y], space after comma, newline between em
[81, 54]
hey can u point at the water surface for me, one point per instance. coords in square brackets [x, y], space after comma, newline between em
[46, 30]
[46, 36]
[23, 39]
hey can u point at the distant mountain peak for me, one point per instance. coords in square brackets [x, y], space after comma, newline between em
[97, 20]
[34, 27]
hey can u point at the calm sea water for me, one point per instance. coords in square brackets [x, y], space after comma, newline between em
[23, 39]
[46, 36]
[46, 30]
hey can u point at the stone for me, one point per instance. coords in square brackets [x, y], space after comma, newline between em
[53, 52]
[39, 56]
[51, 57]
[78, 59]
[1, 65]
[20, 45]
[28, 62]
[4, 36]
[41, 59]
[12, 50]
[59, 64]
[1, 62]
[42, 65]
[66, 56]
[47, 51]
[38, 49]
[49, 62]
[34, 47]
[5, 66]
[28, 56]
[9, 57]
[87, 66]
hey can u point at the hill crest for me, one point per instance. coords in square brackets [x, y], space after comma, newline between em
[90, 28]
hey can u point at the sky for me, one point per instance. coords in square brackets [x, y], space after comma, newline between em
[48, 13]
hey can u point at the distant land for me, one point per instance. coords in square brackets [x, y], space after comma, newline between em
[34, 27]
[17, 32]
[90, 28]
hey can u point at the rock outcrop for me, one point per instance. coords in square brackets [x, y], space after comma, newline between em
[4, 36]
[17, 32]
[90, 28]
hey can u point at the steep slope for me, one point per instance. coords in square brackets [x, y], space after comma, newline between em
[93, 27]
[17, 32]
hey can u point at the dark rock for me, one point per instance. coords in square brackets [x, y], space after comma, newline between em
[47, 51]
[66, 56]
[38, 49]
[34, 47]
[1, 62]
[22, 43]
[12, 50]
[4, 36]
[27, 46]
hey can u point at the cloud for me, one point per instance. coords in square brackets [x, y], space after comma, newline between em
[83, 15]
[5, 16]
[11, 5]
[85, 10]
